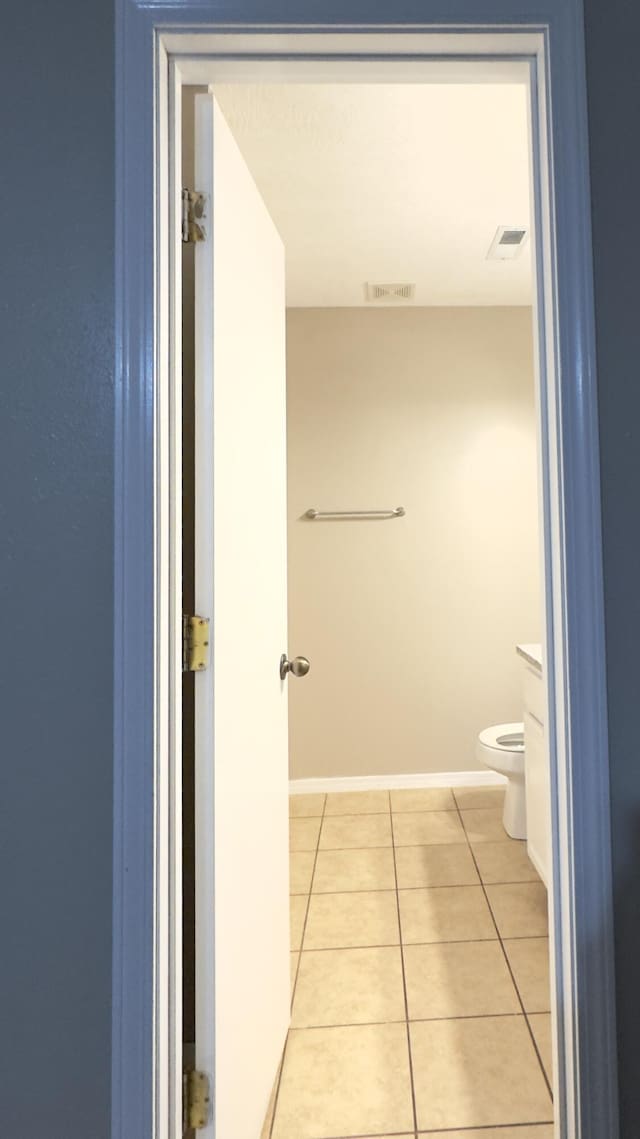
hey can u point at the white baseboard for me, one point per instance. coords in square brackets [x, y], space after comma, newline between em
[397, 782]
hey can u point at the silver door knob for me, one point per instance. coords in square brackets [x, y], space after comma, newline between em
[299, 666]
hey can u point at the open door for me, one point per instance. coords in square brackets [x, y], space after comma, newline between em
[241, 763]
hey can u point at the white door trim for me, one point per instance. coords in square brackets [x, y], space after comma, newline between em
[156, 54]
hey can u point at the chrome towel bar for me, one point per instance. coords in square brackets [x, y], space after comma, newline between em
[318, 515]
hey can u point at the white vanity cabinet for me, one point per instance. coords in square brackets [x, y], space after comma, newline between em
[537, 775]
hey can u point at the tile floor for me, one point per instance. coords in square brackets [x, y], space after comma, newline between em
[419, 972]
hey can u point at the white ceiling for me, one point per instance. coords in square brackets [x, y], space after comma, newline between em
[390, 183]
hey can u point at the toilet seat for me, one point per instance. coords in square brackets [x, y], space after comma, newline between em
[503, 745]
[501, 748]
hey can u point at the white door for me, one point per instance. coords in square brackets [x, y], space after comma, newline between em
[242, 874]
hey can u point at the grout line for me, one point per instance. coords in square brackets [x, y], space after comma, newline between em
[306, 912]
[279, 1078]
[354, 814]
[508, 964]
[527, 1015]
[411, 846]
[394, 945]
[340, 849]
[406, 889]
[444, 941]
[356, 890]
[346, 1024]
[443, 1131]
[367, 1135]
[295, 979]
[464, 843]
[404, 979]
[473, 1130]
[346, 948]
[479, 882]
[414, 1020]
[395, 811]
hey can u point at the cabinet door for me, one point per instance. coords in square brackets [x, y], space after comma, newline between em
[538, 796]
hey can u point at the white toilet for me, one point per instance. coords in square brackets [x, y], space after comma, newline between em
[501, 748]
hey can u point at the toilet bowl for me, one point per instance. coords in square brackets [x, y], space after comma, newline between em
[501, 748]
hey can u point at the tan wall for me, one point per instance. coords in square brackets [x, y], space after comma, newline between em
[410, 624]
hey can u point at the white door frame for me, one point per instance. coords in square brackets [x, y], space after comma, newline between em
[161, 47]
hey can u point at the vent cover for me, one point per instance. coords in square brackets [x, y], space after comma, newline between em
[398, 291]
[507, 242]
[513, 237]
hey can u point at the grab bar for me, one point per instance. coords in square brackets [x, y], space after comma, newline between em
[318, 515]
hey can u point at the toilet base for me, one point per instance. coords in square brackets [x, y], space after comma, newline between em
[514, 818]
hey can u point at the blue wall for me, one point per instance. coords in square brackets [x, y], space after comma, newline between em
[56, 550]
[56, 452]
[613, 71]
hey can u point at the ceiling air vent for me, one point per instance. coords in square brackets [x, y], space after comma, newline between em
[389, 292]
[507, 243]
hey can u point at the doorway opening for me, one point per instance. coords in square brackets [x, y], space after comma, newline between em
[411, 369]
[158, 55]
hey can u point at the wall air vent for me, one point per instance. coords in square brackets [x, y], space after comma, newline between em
[389, 292]
[507, 242]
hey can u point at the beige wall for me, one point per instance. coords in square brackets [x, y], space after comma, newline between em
[410, 624]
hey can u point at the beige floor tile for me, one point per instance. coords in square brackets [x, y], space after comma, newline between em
[529, 961]
[504, 862]
[468, 978]
[354, 870]
[541, 1027]
[303, 834]
[300, 871]
[484, 825]
[423, 799]
[338, 921]
[345, 1081]
[306, 806]
[297, 910]
[456, 913]
[520, 910]
[478, 797]
[480, 1072]
[294, 968]
[541, 1131]
[422, 828]
[349, 986]
[435, 866]
[357, 803]
[342, 832]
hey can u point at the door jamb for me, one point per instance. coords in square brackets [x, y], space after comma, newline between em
[147, 837]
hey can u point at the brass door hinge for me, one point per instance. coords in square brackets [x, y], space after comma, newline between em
[193, 203]
[195, 643]
[196, 1100]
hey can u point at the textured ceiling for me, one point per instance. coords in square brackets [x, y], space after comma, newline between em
[390, 183]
